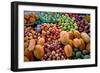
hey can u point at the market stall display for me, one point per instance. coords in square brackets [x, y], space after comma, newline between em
[56, 36]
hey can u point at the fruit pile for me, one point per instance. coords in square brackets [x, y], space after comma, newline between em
[82, 21]
[56, 36]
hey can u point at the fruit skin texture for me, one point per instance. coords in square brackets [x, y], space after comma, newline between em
[68, 50]
[76, 42]
[82, 46]
[86, 57]
[31, 44]
[38, 51]
[71, 35]
[71, 43]
[64, 37]
[88, 47]
[76, 34]
[41, 41]
[85, 37]
[78, 54]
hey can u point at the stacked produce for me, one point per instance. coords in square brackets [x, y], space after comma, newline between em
[82, 20]
[56, 36]
[67, 23]
[47, 17]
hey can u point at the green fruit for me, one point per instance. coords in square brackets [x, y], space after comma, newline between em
[64, 17]
[69, 27]
[71, 23]
[76, 27]
[64, 28]
[75, 49]
[62, 20]
[73, 54]
[86, 56]
[58, 20]
[82, 56]
[66, 21]
[63, 24]
[78, 54]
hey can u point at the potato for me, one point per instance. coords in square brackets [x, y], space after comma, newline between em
[76, 34]
[41, 41]
[31, 44]
[76, 42]
[85, 37]
[68, 50]
[82, 46]
[88, 47]
[38, 51]
[64, 37]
